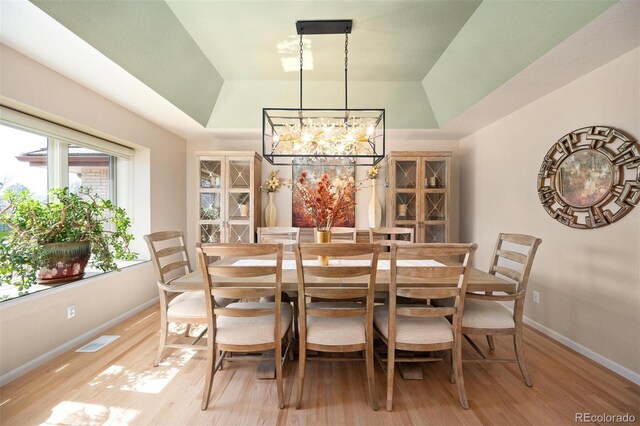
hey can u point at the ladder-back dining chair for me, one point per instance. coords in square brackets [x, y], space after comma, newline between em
[421, 327]
[484, 315]
[343, 321]
[171, 261]
[288, 236]
[391, 235]
[244, 326]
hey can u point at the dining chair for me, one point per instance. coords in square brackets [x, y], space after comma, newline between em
[341, 234]
[485, 315]
[244, 326]
[288, 236]
[391, 235]
[343, 321]
[421, 327]
[171, 261]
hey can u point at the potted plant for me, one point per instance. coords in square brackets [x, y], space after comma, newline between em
[52, 242]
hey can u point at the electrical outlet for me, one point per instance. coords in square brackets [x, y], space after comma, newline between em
[71, 311]
[536, 297]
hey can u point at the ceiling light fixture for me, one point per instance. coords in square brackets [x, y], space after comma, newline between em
[308, 135]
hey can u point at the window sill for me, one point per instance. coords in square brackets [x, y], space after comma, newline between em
[9, 293]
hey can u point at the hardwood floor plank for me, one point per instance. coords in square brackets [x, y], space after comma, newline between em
[119, 385]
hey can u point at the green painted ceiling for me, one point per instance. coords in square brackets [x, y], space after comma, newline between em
[425, 61]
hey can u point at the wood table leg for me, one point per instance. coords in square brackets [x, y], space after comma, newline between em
[267, 369]
[410, 370]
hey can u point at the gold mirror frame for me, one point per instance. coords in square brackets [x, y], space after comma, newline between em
[624, 187]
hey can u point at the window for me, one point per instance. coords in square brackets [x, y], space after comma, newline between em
[38, 155]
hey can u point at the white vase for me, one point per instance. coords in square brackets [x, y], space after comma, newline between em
[375, 209]
[270, 212]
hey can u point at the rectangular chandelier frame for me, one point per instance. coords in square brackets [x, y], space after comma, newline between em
[309, 135]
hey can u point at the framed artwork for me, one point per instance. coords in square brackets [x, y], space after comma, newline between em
[333, 168]
[590, 177]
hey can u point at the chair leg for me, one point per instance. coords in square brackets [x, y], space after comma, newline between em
[457, 368]
[291, 341]
[164, 329]
[278, 361]
[187, 330]
[519, 347]
[371, 384]
[302, 360]
[212, 353]
[391, 363]
[492, 345]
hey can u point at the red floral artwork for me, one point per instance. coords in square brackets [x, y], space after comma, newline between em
[324, 203]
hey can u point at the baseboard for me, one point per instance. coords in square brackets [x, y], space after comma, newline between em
[583, 350]
[44, 358]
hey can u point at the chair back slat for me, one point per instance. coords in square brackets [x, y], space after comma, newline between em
[427, 293]
[337, 271]
[508, 272]
[173, 266]
[512, 255]
[429, 271]
[424, 311]
[331, 250]
[168, 253]
[242, 271]
[336, 312]
[336, 293]
[242, 292]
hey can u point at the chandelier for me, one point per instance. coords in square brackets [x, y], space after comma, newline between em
[309, 135]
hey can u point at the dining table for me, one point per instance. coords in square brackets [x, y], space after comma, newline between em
[478, 281]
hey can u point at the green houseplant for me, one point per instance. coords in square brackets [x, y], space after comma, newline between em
[52, 241]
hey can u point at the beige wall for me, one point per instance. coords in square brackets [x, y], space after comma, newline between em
[589, 280]
[34, 326]
[397, 140]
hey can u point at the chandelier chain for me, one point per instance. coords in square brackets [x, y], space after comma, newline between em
[346, 66]
[301, 65]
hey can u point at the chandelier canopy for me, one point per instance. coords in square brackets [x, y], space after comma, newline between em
[308, 135]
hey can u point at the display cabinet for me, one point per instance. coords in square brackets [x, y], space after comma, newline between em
[228, 196]
[418, 193]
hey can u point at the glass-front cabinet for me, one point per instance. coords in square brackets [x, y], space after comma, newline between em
[418, 193]
[229, 196]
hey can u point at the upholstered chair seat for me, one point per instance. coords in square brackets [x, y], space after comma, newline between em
[251, 330]
[486, 314]
[414, 330]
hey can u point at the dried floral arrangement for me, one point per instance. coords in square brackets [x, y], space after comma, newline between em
[373, 172]
[326, 202]
[274, 182]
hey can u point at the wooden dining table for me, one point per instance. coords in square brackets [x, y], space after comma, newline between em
[479, 281]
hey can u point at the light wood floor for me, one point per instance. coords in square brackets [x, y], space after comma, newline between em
[118, 385]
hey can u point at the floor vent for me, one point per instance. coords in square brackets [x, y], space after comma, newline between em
[97, 344]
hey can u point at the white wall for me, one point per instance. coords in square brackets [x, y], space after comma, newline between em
[397, 140]
[589, 280]
[37, 325]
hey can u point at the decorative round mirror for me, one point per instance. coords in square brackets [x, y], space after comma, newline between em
[590, 177]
